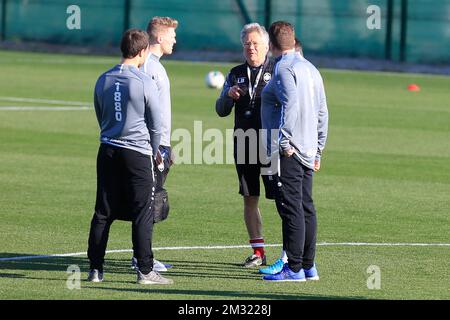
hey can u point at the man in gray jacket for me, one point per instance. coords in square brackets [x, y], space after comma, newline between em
[126, 106]
[294, 103]
[162, 38]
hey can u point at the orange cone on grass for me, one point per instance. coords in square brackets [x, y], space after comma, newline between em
[413, 87]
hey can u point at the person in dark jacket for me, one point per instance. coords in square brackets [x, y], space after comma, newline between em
[242, 90]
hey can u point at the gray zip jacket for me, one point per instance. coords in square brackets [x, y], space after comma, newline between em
[157, 72]
[294, 102]
[127, 108]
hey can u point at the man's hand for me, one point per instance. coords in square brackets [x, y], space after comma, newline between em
[235, 92]
[288, 153]
[158, 158]
[172, 158]
[316, 165]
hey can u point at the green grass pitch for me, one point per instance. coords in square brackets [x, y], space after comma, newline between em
[385, 178]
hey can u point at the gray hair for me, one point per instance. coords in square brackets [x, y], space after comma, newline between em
[255, 27]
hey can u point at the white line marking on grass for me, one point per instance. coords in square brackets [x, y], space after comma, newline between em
[54, 61]
[44, 108]
[47, 101]
[372, 244]
[383, 244]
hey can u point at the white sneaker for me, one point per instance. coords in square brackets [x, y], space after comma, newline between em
[157, 265]
[153, 277]
[95, 276]
[134, 265]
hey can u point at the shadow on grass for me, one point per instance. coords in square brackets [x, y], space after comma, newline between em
[11, 275]
[27, 269]
[37, 262]
[197, 269]
[222, 294]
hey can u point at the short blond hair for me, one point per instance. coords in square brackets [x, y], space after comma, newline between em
[158, 24]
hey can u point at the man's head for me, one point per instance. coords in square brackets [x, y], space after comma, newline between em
[255, 41]
[282, 37]
[134, 45]
[161, 31]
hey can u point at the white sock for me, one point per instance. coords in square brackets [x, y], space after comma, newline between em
[284, 256]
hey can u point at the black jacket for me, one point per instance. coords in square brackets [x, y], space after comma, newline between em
[246, 115]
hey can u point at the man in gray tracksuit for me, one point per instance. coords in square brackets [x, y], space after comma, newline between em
[294, 103]
[162, 38]
[127, 109]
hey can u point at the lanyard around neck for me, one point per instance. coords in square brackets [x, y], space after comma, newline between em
[252, 90]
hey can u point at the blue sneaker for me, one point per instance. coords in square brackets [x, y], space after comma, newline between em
[274, 268]
[286, 275]
[312, 274]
